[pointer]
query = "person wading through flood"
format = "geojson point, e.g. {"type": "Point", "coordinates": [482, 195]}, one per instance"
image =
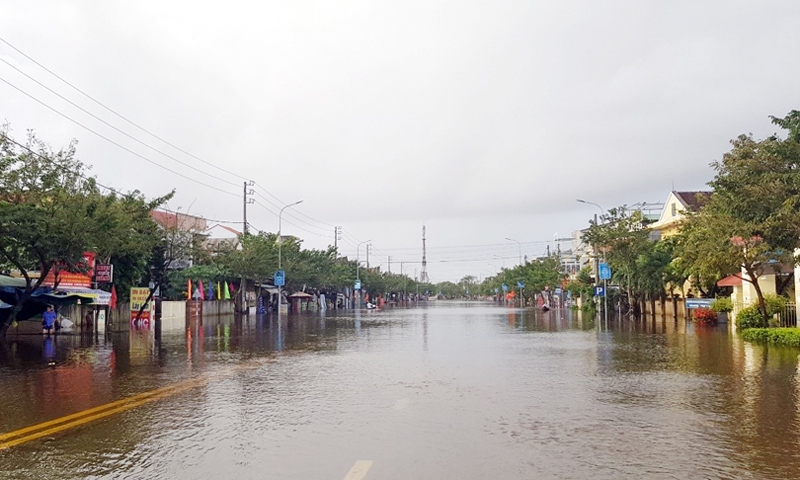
{"type": "Point", "coordinates": [48, 320]}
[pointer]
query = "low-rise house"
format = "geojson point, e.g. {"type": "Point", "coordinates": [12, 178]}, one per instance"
{"type": "Point", "coordinates": [674, 211]}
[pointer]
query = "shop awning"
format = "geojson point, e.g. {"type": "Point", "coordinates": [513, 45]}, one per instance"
{"type": "Point", "coordinates": [730, 281]}
{"type": "Point", "coordinates": [6, 281]}
{"type": "Point", "coordinates": [86, 295]}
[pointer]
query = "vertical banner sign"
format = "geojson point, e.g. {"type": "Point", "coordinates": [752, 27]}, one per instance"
{"type": "Point", "coordinates": [104, 273]}
{"type": "Point", "coordinates": [138, 298]}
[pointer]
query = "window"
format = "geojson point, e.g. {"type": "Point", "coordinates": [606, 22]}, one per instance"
{"type": "Point", "coordinates": [674, 209]}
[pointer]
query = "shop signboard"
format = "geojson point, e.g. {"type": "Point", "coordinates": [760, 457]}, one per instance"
{"type": "Point", "coordinates": [104, 273]}
{"type": "Point", "coordinates": [138, 298]}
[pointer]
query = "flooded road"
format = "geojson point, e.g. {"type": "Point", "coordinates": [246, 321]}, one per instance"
{"type": "Point", "coordinates": [451, 390]}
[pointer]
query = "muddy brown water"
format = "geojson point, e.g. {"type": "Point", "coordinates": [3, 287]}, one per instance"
{"type": "Point", "coordinates": [449, 390]}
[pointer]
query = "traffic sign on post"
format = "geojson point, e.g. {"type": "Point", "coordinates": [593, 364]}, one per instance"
{"type": "Point", "coordinates": [280, 278]}
{"type": "Point", "coordinates": [605, 272]}
{"type": "Point", "coordinates": [599, 291]}
{"type": "Point", "coordinates": [505, 287]}
{"type": "Point", "coordinates": [357, 285]}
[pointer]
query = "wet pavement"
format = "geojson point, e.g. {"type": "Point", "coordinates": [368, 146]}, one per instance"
{"type": "Point", "coordinates": [451, 390]}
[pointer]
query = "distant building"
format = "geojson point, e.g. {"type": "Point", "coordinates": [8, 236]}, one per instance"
{"type": "Point", "coordinates": [220, 238]}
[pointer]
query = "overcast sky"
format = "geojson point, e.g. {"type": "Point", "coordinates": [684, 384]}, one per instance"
{"type": "Point", "coordinates": [481, 119]}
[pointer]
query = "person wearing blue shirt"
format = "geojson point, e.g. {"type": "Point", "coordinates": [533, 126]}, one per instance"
{"type": "Point", "coordinates": [48, 320]}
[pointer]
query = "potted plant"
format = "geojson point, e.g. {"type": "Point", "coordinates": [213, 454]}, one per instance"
{"type": "Point", "coordinates": [704, 316]}
{"type": "Point", "coordinates": [722, 305]}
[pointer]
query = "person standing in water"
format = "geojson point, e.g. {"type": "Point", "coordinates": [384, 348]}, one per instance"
{"type": "Point", "coordinates": [48, 320]}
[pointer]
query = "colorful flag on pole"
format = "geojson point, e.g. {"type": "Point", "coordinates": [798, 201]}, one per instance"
{"type": "Point", "coordinates": [232, 289]}
{"type": "Point", "coordinates": [113, 302]}
{"type": "Point", "coordinates": [202, 290]}
{"type": "Point", "coordinates": [219, 291]}
{"type": "Point", "coordinates": [189, 288]}
{"type": "Point", "coordinates": [227, 292]}
{"type": "Point", "coordinates": [210, 291]}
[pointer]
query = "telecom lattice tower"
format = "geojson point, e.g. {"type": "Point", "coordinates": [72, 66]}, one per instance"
{"type": "Point", "coordinates": [424, 275]}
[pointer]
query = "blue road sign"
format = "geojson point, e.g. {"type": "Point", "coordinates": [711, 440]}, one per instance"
{"type": "Point", "coordinates": [505, 287]}
{"type": "Point", "coordinates": [520, 284]}
{"type": "Point", "coordinates": [605, 272]}
{"type": "Point", "coordinates": [599, 291]}
{"type": "Point", "coordinates": [280, 278]}
{"type": "Point", "coordinates": [558, 291]}
{"type": "Point", "coordinates": [496, 289]}
{"type": "Point", "coordinates": [357, 285]}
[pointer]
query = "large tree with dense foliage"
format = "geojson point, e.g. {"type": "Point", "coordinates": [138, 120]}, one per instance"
{"type": "Point", "coordinates": [52, 212]}
{"type": "Point", "coordinates": [622, 237]}
{"type": "Point", "coordinates": [752, 221]}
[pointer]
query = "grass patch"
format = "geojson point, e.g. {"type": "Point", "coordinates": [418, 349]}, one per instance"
{"type": "Point", "coordinates": [776, 336]}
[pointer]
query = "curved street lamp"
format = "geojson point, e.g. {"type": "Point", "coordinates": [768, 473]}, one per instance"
{"type": "Point", "coordinates": [602, 212]}
{"type": "Point", "coordinates": [520, 249]}
{"type": "Point", "coordinates": [280, 214]}
{"type": "Point", "coordinates": [358, 263]}
{"type": "Point", "coordinates": [280, 289]}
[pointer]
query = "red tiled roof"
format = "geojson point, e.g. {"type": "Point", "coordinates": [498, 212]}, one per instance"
{"type": "Point", "coordinates": [165, 219]}
{"type": "Point", "coordinates": [232, 230]}
{"type": "Point", "coordinates": [730, 281]}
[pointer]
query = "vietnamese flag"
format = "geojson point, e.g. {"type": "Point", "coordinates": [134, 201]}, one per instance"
{"type": "Point", "coordinates": [113, 302]}
{"type": "Point", "coordinates": [202, 292]}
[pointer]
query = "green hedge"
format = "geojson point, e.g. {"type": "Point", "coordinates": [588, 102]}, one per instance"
{"type": "Point", "coordinates": [777, 336]}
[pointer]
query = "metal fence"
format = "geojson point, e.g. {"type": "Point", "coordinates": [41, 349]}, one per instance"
{"type": "Point", "coordinates": [787, 317]}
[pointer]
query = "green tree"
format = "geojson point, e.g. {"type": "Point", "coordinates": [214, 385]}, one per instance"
{"type": "Point", "coordinates": [752, 221]}
{"type": "Point", "coordinates": [51, 213]}
{"type": "Point", "coordinates": [622, 236]}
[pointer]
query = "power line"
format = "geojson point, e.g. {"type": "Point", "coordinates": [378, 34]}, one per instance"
{"type": "Point", "coordinates": [111, 110]}
{"type": "Point", "coordinates": [113, 126]}
{"type": "Point", "coordinates": [287, 221]}
{"type": "Point", "coordinates": [113, 142]}
{"type": "Point", "coordinates": [131, 122]}
{"type": "Point", "coordinates": [110, 189]}
{"type": "Point", "coordinates": [290, 213]}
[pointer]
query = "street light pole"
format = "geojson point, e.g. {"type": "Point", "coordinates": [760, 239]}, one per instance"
{"type": "Point", "coordinates": [605, 282]}
{"type": "Point", "coordinates": [358, 267]}
{"type": "Point", "coordinates": [520, 249]}
{"type": "Point", "coordinates": [280, 288]}
{"type": "Point", "coordinates": [602, 212]}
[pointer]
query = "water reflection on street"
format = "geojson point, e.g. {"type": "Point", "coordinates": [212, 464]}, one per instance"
{"type": "Point", "coordinates": [447, 390]}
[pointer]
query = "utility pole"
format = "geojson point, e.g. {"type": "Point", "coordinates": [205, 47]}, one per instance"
{"type": "Point", "coordinates": [368, 256]}
{"type": "Point", "coordinates": [337, 235]}
{"type": "Point", "coordinates": [246, 200]}
{"type": "Point", "coordinates": [424, 276]}
{"type": "Point", "coordinates": [404, 282]}
{"type": "Point", "coordinates": [390, 264]}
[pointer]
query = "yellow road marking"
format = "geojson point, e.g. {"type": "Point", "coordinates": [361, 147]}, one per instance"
{"type": "Point", "coordinates": [23, 435]}
{"type": "Point", "coordinates": [359, 470]}
{"type": "Point", "coordinates": [111, 405]}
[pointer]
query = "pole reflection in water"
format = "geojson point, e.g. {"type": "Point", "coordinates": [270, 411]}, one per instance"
{"type": "Point", "coordinates": [450, 390]}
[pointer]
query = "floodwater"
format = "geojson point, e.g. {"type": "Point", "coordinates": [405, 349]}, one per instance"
{"type": "Point", "coordinates": [451, 390]}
